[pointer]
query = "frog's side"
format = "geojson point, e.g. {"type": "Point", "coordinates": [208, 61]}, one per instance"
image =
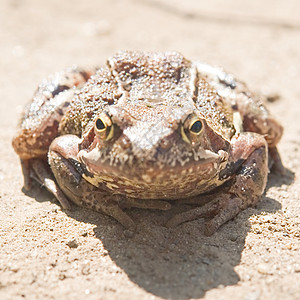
{"type": "Point", "coordinates": [149, 127]}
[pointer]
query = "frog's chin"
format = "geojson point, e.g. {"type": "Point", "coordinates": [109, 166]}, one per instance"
{"type": "Point", "coordinates": [152, 181]}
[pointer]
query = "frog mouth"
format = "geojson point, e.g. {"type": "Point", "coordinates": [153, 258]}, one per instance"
{"type": "Point", "coordinates": [154, 183]}
{"type": "Point", "coordinates": [207, 162]}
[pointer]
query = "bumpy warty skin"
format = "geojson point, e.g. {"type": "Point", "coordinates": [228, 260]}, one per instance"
{"type": "Point", "coordinates": [148, 127]}
{"type": "Point", "coordinates": [149, 97]}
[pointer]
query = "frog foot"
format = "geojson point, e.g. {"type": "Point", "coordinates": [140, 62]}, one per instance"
{"type": "Point", "coordinates": [35, 169]}
{"type": "Point", "coordinates": [275, 163]}
{"type": "Point", "coordinates": [248, 186]}
{"type": "Point", "coordinates": [114, 205]}
{"type": "Point", "coordinates": [69, 172]}
{"type": "Point", "coordinates": [222, 208]}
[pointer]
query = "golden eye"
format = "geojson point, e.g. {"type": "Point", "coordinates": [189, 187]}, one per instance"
{"type": "Point", "coordinates": [196, 127]}
{"type": "Point", "coordinates": [191, 129]}
{"type": "Point", "coordinates": [100, 125]}
{"type": "Point", "coordinates": [104, 127]}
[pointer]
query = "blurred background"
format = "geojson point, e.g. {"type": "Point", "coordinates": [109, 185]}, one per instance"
{"type": "Point", "coordinates": [45, 35]}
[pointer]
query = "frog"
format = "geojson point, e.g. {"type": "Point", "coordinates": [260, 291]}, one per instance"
{"type": "Point", "coordinates": [150, 130]}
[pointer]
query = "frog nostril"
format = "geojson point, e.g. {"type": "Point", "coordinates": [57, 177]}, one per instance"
{"type": "Point", "coordinates": [124, 142]}
{"type": "Point", "coordinates": [165, 145]}
{"type": "Point", "coordinates": [87, 141]}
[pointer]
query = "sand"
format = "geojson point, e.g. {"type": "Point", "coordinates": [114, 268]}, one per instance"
{"type": "Point", "coordinates": [49, 253]}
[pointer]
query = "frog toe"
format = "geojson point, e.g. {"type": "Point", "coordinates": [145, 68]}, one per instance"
{"type": "Point", "coordinates": [118, 214]}
{"type": "Point", "coordinates": [230, 209]}
{"type": "Point", "coordinates": [220, 210]}
{"type": "Point", "coordinates": [26, 169]}
{"type": "Point", "coordinates": [44, 176]}
{"type": "Point", "coordinates": [275, 163]}
{"type": "Point", "coordinates": [206, 210]}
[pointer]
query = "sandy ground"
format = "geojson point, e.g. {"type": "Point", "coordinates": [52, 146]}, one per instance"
{"type": "Point", "coordinates": [48, 253]}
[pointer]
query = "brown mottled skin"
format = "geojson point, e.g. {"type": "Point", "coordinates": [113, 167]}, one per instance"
{"type": "Point", "coordinates": [147, 130]}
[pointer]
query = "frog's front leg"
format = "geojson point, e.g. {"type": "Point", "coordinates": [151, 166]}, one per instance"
{"type": "Point", "coordinates": [68, 173]}
{"type": "Point", "coordinates": [40, 172]}
{"type": "Point", "coordinates": [248, 170]}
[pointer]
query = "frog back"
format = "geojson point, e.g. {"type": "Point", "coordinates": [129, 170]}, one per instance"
{"type": "Point", "coordinates": [136, 78]}
{"type": "Point", "coordinates": [171, 80]}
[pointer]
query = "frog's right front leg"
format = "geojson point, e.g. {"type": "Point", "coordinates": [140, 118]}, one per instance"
{"type": "Point", "coordinates": [68, 173]}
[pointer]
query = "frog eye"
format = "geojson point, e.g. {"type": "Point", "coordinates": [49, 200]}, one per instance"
{"type": "Point", "coordinates": [191, 129]}
{"type": "Point", "coordinates": [104, 127]}
{"type": "Point", "coordinates": [100, 125]}
{"type": "Point", "coordinates": [196, 127]}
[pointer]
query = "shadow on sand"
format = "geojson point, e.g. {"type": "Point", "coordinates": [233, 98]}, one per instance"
{"type": "Point", "coordinates": [177, 263]}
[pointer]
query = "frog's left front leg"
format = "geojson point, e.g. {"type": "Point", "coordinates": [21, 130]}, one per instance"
{"type": "Point", "coordinates": [250, 164]}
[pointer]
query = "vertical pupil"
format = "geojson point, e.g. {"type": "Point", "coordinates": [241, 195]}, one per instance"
{"type": "Point", "coordinates": [100, 125]}
{"type": "Point", "coordinates": [196, 127]}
